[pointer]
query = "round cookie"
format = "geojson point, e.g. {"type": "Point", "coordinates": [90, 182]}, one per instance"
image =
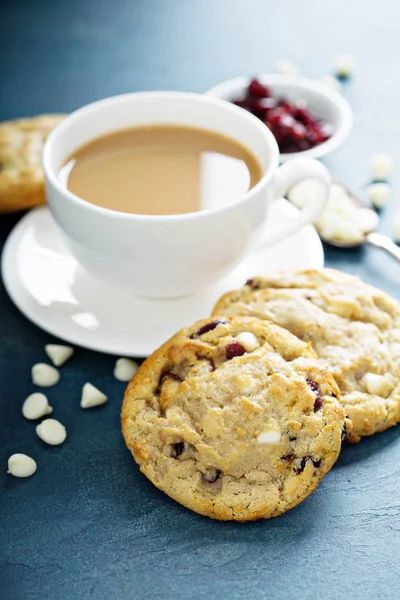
{"type": "Point", "coordinates": [21, 173]}
{"type": "Point", "coordinates": [353, 327]}
{"type": "Point", "coordinates": [234, 418]}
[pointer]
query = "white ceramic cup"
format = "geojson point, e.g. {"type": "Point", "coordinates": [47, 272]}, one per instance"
{"type": "Point", "coordinates": [172, 255]}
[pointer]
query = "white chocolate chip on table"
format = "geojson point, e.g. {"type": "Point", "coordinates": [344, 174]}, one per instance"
{"type": "Point", "coordinates": [125, 368]}
{"type": "Point", "coordinates": [58, 353]}
{"type": "Point", "coordinates": [270, 436]}
{"type": "Point", "coordinates": [381, 166]}
{"type": "Point", "coordinates": [376, 384]}
{"type": "Point", "coordinates": [45, 375]}
{"type": "Point", "coordinates": [21, 465]}
{"type": "Point", "coordinates": [36, 406]}
{"type": "Point", "coordinates": [345, 64]}
{"type": "Point", "coordinates": [51, 432]}
{"type": "Point", "coordinates": [91, 396]}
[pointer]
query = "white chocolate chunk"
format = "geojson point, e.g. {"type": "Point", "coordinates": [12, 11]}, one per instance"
{"type": "Point", "coordinates": [269, 437]}
{"type": "Point", "coordinates": [396, 227]}
{"type": "Point", "coordinates": [52, 432]}
{"type": "Point", "coordinates": [246, 384]}
{"type": "Point", "coordinates": [305, 192]}
{"type": "Point", "coordinates": [332, 226]}
{"type": "Point", "coordinates": [58, 354]}
{"type": "Point", "coordinates": [91, 396]}
{"type": "Point", "coordinates": [375, 384]}
{"type": "Point", "coordinates": [287, 68]}
{"type": "Point", "coordinates": [21, 465]}
{"type": "Point", "coordinates": [381, 167]}
{"type": "Point", "coordinates": [379, 194]}
{"type": "Point", "coordinates": [248, 340]}
{"type": "Point", "coordinates": [366, 219]}
{"type": "Point", "coordinates": [124, 369]}
{"type": "Point", "coordinates": [345, 64]}
{"type": "Point", "coordinates": [337, 189]}
{"type": "Point", "coordinates": [45, 375]}
{"type": "Point", "coordinates": [332, 82]}
{"type": "Point", "coordinates": [36, 406]}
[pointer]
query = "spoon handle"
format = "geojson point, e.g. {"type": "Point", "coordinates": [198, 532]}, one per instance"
{"type": "Point", "coordinates": [383, 241]}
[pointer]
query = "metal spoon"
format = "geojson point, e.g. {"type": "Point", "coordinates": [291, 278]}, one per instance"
{"type": "Point", "coordinates": [374, 239]}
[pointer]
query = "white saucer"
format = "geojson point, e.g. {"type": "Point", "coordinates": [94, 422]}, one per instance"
{"type": "Point", "coordinates": [49, 287]}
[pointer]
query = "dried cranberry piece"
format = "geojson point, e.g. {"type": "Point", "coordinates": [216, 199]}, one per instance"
{"type": "Point", "coordinates": [212, 476]}
{"type": "Point", "coordinates": [315, 388]}
{"type": "Point", "coordinates": [303, 463]}
{"type": "Point", "coordinates": [212, 364]}
{"type": "Point", "coordinates": [251, 283]}
{"type": "Point", "coordinates": [207, 327]}
{"type": "Point", "coordinates": [164, 377]}
{"type": "Point", "coordinates": [301, 114]}
{"type": "Point", "coordinates": [234, 349]}
{"type": "Point", "coordinates": [288, 457]}
{"type": "Point", "coordinates": [258, 90]}
{"type": "Point", "coordinates": [285, 104]}
{"type": "Point", "coordinates": [242, 104]}
{"type": "Point", "coordinates": [345, 436]}
{"type": "Point", "coordinates": [275, 115]}
{"type": "Point", "coordinates": [177, 449]}
{"type": "Point", "coordinates": [298, 131]}
{"type": "Point", "coordinates": [261, 106]}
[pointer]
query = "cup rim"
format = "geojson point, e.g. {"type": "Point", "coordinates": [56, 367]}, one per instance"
{"type": "Point", "coordinates": [111, 101]}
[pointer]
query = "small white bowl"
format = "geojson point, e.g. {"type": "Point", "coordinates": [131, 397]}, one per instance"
{"type": "Point", "coordinates": [323, 101]}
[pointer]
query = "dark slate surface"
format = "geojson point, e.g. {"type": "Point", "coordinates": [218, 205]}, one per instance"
{"type": "Point", "coordinates": [88, 525]}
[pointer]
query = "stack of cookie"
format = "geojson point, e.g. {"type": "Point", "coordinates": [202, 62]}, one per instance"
{"type": "Point", "coordinates": [241, 415]}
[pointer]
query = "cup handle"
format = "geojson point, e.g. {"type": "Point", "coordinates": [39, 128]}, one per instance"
{"type": "Point", "coordinates": [288, 175]}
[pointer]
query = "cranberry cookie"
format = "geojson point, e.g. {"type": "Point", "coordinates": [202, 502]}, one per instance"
{"type": "Point", "coordinates": [234, 418]}
{"type": "Point", "coordinates": [353, 327]}
{"type": "Point", "coordinates": [21, 173]}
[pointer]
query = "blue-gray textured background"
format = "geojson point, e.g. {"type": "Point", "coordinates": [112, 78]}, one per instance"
{"type": "Point", "coordinates": [88, 525]}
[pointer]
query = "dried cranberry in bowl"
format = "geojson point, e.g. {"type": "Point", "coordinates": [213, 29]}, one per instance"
{"type": "Point", "coordinates": [294, 126]}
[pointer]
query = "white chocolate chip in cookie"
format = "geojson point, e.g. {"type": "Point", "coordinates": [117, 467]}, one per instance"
{"type": "Point", "coordinates": [36, 406]}
{"type": "Point", "coordinates": [21, 465]}
{"type": "Point", "coordinates": [246, 384]}
{"type": "Point", "coordinates": [58, 353]}
{"type": "Point", "coordinates": [52, 432]}
{"type": "Point", "coordinates": [45, 375]}
{"type": "Point", "coordinates": [376, 384]}
{"type": "Point", "coordinates": [125, 368]}
{"type": "Point", "coordinates": [248, 340]}
{"type": "Point", "coordinates": [91, 396]}
{"type": "Point", "coordinates": [269, 436]}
